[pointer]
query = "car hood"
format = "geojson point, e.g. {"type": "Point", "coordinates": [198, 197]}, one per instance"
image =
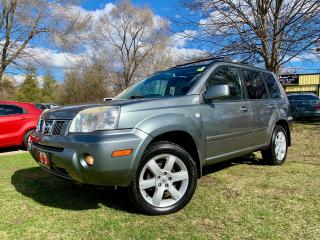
{"type": "Point", "coordinates": [69, 112]}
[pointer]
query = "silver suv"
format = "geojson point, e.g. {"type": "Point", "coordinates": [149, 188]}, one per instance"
{"type": "Point", "coordinates": [156, 136]}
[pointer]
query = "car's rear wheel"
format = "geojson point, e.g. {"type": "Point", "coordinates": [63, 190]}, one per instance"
{"type": "Point", "coordinates": [276, 154]}
{"type": "Point", "coordinates": [165, 181]}
{"type": "Point", "coordinates": [26, 138]}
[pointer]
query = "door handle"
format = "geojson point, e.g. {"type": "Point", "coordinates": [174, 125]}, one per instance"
{"type": "Point", "coordinates": [270, 106]}
{"type": "Point", "coordinates": [244, 109]}
{"type": "Point", "coordinates": [23, 118]}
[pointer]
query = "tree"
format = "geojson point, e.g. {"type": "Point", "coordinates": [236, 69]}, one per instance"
{"type": "Point", "coordinates": [7, 89]}
{"type": "Point", "coordinates": [88, 83]}
{"type": "Point", "coordinates": [71, 89]}
{"type": "Point", "coordinates": [133, 33]}
{"type": "Point", "coordinates": [95, 82]}
{"type": "Point", "coordinates": [49, 89]}
{"type": "Point", "coordinates": [29, 90]}
{"type": "Point", "coordinates": [24, 21]}
{"type": "Point", "coordinates": [160, 58]}
{"type": "Point", "coordinates": [269, 31]}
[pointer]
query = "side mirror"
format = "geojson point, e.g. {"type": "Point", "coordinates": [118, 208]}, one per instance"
{"type": "Point", "coordinates": [217, 92]}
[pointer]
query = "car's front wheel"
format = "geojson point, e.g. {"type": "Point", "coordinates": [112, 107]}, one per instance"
{"type": "Point", "coordinates": [165, 181]}
{"type": "Point", "coordinates": [276, 154]}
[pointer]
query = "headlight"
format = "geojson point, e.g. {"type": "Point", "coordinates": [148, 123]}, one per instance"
{"type": "Point", "coordinates": [96, 118]}
{"type": "Point", "coordinates": [38, 127]}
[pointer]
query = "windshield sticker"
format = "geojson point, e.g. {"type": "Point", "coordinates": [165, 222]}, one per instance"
{"type": "Point", "coordinates": [201, 69]}
{"type": "Point", "coordinates": [172, 90]}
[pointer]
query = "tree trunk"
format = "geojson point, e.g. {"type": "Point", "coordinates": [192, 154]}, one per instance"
{"type": "Point", "coordinates": [2, 68]}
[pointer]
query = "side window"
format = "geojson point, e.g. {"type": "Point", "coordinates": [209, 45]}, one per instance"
{"type": "Point", "coordinates": [225, 75]}
{"type": "Point", "coordinates": [291, 97]}
{"type": "Point", "coordinates": [10, 110]}
{"type": "Point", "coordinates": [310, 97]}
{"type": "Point", "coordinates": [272, 85]}
{"type": "Point", "coordinates": [254, 82]}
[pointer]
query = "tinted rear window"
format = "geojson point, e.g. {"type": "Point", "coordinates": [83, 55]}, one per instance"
{"type": "Point", "coordinates": [10, 110]}
{"type": "Point", "coordinates": [272, 85]}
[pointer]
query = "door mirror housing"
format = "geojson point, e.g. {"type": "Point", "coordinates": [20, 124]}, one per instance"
{"type": "Point", "coordinates": [217, 92]}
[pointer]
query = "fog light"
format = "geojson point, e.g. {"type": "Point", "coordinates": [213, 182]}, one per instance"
{"type": "Point", "coordinates": [89, 159]}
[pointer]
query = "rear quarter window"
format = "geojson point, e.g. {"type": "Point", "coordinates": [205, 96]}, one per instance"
{"type": "Point", "coordinates": [272, 85]}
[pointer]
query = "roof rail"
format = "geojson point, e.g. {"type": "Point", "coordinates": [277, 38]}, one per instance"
{"type": "Point", "coordinates": [249, 64]}
{"type": "Point", "coordinates": [221, 58]}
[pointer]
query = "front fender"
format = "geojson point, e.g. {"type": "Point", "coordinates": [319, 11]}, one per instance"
{"type": "Point", "coordinates": [165, 123]}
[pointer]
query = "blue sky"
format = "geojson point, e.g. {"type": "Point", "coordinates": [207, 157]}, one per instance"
{"type": "Point", "coordinates": [164, 8]}
{"type": "Point", "coordinates": [160, 7]}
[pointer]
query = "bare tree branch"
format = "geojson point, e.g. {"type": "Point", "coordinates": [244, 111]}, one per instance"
{"type": "Point", "coordinates": [23, 21]}
{"type": "Point", "coordinates": [134, 34]}
{"type": "Point", "coordinates": [272, 31]}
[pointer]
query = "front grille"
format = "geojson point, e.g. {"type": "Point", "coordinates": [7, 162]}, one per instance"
{"type": "Point", "coordinates": [52, 127]}
{"type": "Point", "coordinates": [57, 127]}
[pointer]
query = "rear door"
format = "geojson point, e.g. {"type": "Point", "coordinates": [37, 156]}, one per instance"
{"type": "Point", "coordinates": [262, 106]}
{"type": "Point", "coordinates": [226, 121]}
{"type": "Point", "coordinates": [12, 120]}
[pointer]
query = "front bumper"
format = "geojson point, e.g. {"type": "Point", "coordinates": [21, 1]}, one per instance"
{"type": "Point", "coordinates": [67, 155]}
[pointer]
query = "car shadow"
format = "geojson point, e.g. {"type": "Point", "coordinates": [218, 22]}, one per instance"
{"type": "Point", "coordinates": [10, 149]}
{"type": "Point", "coordinates": [309, 122]}
{"type": "Point", "coordinates": [250, 159]}
{"type": "Point", "coordinates": [54, 192]}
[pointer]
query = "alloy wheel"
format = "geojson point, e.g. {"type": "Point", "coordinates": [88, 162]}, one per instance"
{"type": "Point", "coordinates": [163, 180]}
{"type": "Point", "coordinates": [280, 145]}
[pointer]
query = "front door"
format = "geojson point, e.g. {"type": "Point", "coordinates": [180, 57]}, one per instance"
{"type": "Point", "coordinates": [226, 121]}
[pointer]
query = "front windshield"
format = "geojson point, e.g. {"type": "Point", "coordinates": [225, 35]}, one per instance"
{"type": "Point", "coordinates": [173, 82]}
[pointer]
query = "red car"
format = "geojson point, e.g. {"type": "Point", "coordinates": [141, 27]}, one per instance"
{"type": "Point", "coordinates": [17, 121]}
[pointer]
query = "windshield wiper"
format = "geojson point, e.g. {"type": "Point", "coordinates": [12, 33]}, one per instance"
{"type": "Point", "coordinates": [136, 97]}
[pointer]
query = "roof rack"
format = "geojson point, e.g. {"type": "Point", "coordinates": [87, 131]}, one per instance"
{"type": "Point", "coordinates": [249, 64]}
{"type": "Point", "coordinates": [221, 58]}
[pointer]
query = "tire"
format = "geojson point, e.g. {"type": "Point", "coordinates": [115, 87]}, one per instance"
{"type": "Point", "coordinates": [25, 138]}
{"type": "Point", "coordinates": [276, 154]}
{"type": "Point", "coordinates": [154, 190]}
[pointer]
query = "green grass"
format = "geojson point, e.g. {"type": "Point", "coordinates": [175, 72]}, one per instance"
{"type": "Point", "coordinates": [239, 199]}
